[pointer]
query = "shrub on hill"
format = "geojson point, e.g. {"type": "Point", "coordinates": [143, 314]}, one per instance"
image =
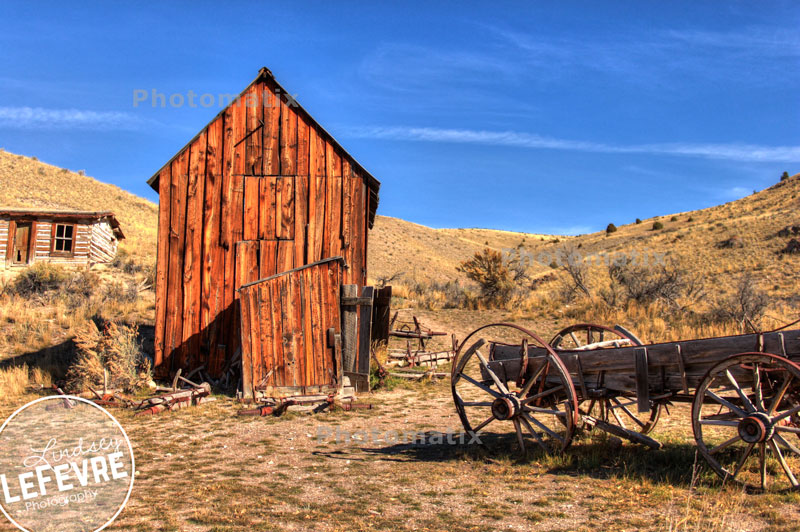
{"type": "Point", "coordinates": [611, 228]}
{"type": "Point", "coordinates": [784, 176]}
{"type": "Point", "coordinates": [657, 226]}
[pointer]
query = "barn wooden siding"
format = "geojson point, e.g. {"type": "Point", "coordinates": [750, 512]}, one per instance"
{"type": "Point", "coordinates": [290, 323]}
{"type": "Point", "coordinates": [267, 174]}
{"type": "Point", "coordinates": [94, 241]}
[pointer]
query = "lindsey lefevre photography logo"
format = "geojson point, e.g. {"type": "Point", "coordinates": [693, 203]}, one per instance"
{"type": "Point", "coordinates": [65, 464]}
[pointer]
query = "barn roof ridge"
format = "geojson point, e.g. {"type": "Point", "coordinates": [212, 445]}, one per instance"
{"type": "Point", "coordinates": [265, 73]}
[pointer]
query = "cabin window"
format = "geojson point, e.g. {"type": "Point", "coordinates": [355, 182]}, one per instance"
{"type": "Point", "coordinates": [64, 239]}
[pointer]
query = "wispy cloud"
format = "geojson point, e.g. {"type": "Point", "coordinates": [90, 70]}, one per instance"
{"type": "Point", "coordinates": [733, 152]}
{"type": "Point", "coordinates": [39, 118]}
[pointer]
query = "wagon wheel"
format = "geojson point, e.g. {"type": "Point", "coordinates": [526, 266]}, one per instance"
{"type": "Point", "coordinates": [743, 413]}
{"type": "Point", "coordinates": [582, 336]}
{"type": "Point", "coordinates": [541, 406]}
{"type": "Point", "coordinates": [617, 410]}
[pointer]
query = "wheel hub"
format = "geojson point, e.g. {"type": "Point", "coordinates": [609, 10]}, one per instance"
{"type": "Point", "coordinates": [756, 428]}
{"type": "Point", "coordinates": [506, 407]}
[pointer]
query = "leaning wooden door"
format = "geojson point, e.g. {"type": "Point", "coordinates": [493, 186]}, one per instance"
{"type": "Point", "coordinates": [291, 332]}
{"type": "Point", "coordinates": [22, 243]}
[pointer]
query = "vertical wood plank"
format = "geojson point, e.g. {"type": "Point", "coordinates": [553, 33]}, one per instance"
{"type": "Point", "coordinates": [347, 203]}
{"type": "Point", "coordinates": [239, 127]}
{"type": "Point", "coordinates": [267, 221]}
{"type": "Point", "coordinates": [247, 356]}
{"type": "Point", "coordinates": [285, 256]}
{"type": "Point", "coordinates": [287, 330]}
{"type": "Point", "coordinates": [268, 261]}
{"type": "Point", "coordinates": [177, 234]}
{"type": "Point", "coordinates": [254, 112]}
{"type": "Point", "coordinates": [277, 313]}
{"type": "Point", "coordinates": [300, 217]}
{"type": "Point", "coordinates": [162, 264]}
{"type": "Point", "coordinates": [237, 235]}
{"type": "Point", "coordinates": [297, 328]}
{"type": "Point", "coordinates": [265, 336]}
{"type": "Point", "coordinates": [272, 114]}
{"type": "Point", "coordinates": [333, 203]}
{"type": "Point", "coordinates": [192, 264]}
{"type": "Point", "coordinates": [213, 259]}
{"type": "Point", "coordinates": [318, 328]}
{"type": "Point", "coordinates": [251, 224]}
{"type": "Point", "coordinates": [285, 208]}
{"type": "Point", "coordinates": [288, 141]}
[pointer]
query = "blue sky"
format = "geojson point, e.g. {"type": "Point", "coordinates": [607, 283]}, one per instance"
{"type": "Point", "coordinates": [530, 116]}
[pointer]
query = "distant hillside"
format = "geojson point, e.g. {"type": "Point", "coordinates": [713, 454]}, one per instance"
{"type": "Point", "coordinates": [425, 254]}
{"type": "Point", "coordinates": [721, 243]}
{"type": "Point", "coordinates": [26, 182]}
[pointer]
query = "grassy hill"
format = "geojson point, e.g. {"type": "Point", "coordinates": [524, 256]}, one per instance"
{"type": "Point", "coordinates": [719, 243]}
{"type": "Point", "coordinates": [28, 183]}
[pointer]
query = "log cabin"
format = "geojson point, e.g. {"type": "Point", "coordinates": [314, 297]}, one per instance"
{"type": "Point", "coordinates": [262, 190]}
{"type": "Point", "coordinates": [62, 237]}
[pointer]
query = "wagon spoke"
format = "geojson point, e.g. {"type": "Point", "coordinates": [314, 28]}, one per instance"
{"type": "Point", "coordinates": [533, 378]}
{"type": "Point", "coordinates": [482, 425]}
{"type": "Point", "coordinates": [616, 416]}
{"type": "Point", "coordinates": [543, 427]}
{"type": "Point", "coordinates": [779, 396]}
{"type": "Point", "coordinates": [732, 407]}
{"type": "Point", "coordinates": [743, 396]}
{"type": "Point", "coordinates": [533, 433]}
{"type": "Point", "coordinates": [537, 410]}
{"type": "Point", "coordinates": [724, 444]}
{"type": "Point", "coordinates": [780, 439]}
{"type": "Point", "coordinates": [520, 439]}
{"type": "Point", "coordinates": [495, 378]}
{"type": "Point", "coordinates": [743, 459]}
{"type": "Point", "coordinates": [630, 414]}
{"type": "Point", "coordinates": [575, 339]}
{"type": "Point", "coordinates": [532, 398]}
{"type": "Point", "coordinates": [757, 387]}
{"type": "Point", "coordinates": [481, 386]}
{"type": "Point", "coordinates": [719, 422]}
{"type": "Point", "coordinates": [784, 465]}
{"type": "Point", "coordinates": [786, 414]}
{"type": "Point", "coordinates": [782, 428]}
{"type": "Point", "coordinates": [762, 451]}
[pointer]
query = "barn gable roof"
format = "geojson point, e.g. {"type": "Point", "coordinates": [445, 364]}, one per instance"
{"type": "Point", "coordinates": [66, 215]}
{"type": "Point", "coordinates": [266, 74]}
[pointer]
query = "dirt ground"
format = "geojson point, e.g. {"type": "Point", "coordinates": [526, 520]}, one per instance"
{"type": "Point", "coordinates": [392, 468]}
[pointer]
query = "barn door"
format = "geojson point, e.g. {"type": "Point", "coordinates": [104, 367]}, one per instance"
{"type": "Point", "coordinates": [22, 243]}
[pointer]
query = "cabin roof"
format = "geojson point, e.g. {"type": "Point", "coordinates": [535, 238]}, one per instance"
{"type": "Point", "coordinates": [63, 214]}
{"type": "Point", "coordinates": [265, 73]}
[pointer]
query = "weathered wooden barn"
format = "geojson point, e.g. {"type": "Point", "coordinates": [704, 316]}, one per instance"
{"type": "Point", "coordinates": [63, 237]}
{"type": "Point", "coordinates": [263, 189]}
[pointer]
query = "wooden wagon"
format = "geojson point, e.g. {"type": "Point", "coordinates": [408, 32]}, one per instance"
{"type": "Point", "coordinates": [744, 391]}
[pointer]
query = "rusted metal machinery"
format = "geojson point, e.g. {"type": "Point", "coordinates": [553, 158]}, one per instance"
{"type": "Point", "coordinates": [744, 391]}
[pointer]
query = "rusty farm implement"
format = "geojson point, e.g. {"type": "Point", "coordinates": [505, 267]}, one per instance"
{"type": "Point", "coordinates": [744, 392]}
